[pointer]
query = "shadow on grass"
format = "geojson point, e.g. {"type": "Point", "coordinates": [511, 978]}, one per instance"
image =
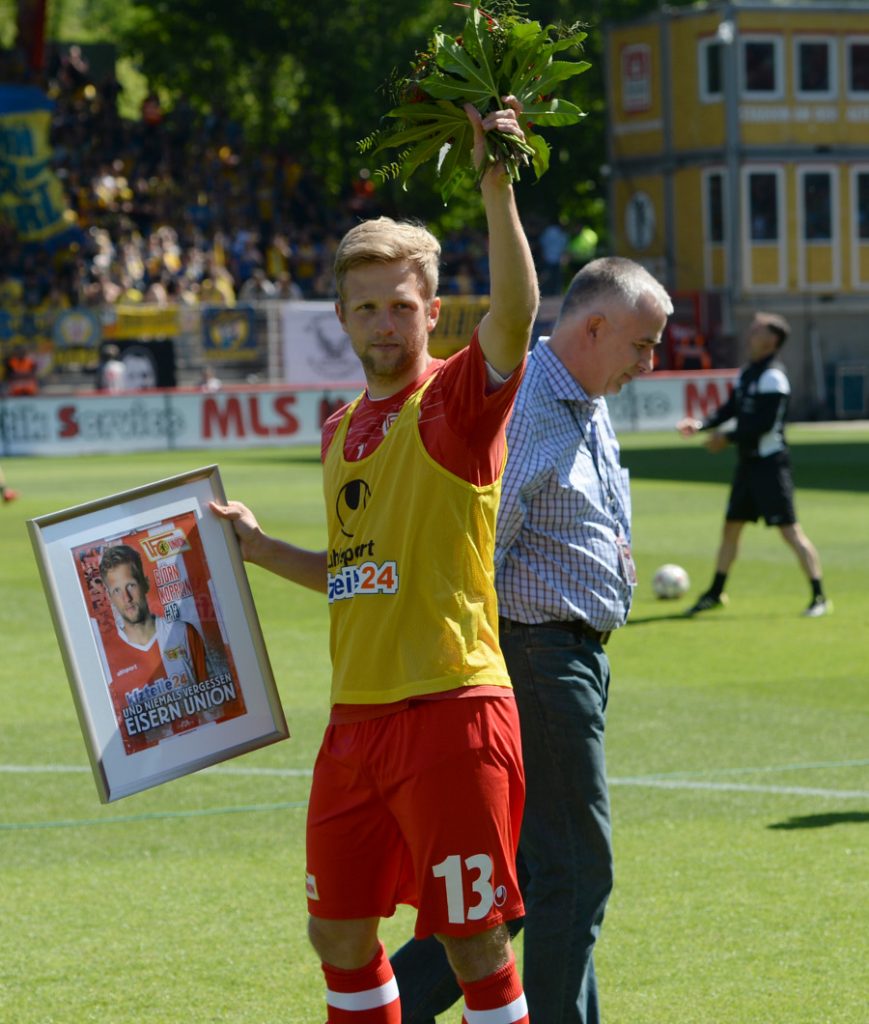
{"type": "Point", "coordinates": [644, 620]}
{"type": "Point", "coordinates": [713, 617]}
{"type": "Point", "coordinates": [829, 467]}
{"type": "Point", "coordinates": [823, 820]}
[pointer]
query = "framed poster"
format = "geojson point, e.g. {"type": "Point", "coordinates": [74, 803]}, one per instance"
{"type": "Point", "coordinates": [158, 632]}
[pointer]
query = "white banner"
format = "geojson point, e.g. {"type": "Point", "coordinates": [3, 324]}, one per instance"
{"type": "Point", "coordinates": [317, 351]}
{"type": "Point", "coordinates": [154, 420]}
{"type": "Point", "coordinates": [262, 415]}
{"type": "Point", "coordinates": [659, 400]}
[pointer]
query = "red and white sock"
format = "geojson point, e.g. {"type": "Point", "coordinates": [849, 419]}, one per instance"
{"type": "Point", "coordinates": [496, 999]}
{"type": "Point", "coordinates": [368, 995]}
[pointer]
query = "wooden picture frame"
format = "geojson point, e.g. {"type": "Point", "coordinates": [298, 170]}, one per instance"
{"type": "Point", "coordinates": [158, 631]}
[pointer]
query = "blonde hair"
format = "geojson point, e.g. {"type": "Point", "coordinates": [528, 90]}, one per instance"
{"type": "Point", "coordinates": [385, 240]}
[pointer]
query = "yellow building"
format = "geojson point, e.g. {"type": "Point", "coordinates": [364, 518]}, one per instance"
{"type": "Point", "coordinates": [739, 167]}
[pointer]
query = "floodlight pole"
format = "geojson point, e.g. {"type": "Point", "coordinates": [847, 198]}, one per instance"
{"type": "Point", "coordinates": [728, 35]}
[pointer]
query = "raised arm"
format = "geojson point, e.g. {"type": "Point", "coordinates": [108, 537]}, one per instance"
{"type": "Point", "coordinates": [505, 330]}
{"type": "Point", "coordinates": [307, 568]}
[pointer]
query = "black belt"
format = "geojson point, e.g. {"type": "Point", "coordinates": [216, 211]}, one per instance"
{"type": "Point", "coordinates": [577, 627]}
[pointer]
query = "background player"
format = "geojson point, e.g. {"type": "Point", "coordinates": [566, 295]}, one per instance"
{"type": "Point", "coordinates": [6, 493]}
{"type": "Point", "coordinates": [762, 482]}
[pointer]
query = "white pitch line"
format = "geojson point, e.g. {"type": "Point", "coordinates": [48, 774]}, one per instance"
{"type": "Point", "coordinates": [279, 772]}
{"type": "Point", "coordinates": [759, 770]}
{"type": "Point", "coordinates": [743, 787]}
{"type": "Point", "coordinates": [639, 781]}
{"type": "Point", "coordinates": [72, 769]}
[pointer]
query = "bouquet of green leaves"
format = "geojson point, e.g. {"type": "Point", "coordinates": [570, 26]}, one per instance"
{"type": "Point", "coordinates": [499, 53]}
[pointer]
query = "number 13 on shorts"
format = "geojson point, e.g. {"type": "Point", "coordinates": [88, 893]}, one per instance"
{"type": "Point", "coordinates": [478, 871]}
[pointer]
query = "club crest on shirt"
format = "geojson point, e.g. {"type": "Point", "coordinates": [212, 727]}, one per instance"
{"type": "Point", "coordinates": [352, 498]}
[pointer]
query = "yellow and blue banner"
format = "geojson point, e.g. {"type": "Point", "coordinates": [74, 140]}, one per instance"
{"type": "Point", "coordinates": [229, 335]}
{"type": "Point", "coordinates": [31, 195]}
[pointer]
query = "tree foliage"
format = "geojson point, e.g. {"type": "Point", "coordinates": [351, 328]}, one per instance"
{"type": "Point", "coordinates": [310, 78]}
{"type": "Point", "coordinates": [499, 54]}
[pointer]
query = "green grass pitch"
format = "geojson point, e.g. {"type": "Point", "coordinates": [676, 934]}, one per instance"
{"type": "Point", "coordinates": [737, 749]}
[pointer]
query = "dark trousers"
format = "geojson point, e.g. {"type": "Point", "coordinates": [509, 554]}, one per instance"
{"type": "Point", "coordinates": [565, 850]}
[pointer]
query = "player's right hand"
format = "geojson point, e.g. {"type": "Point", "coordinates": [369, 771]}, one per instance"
{"type": "Point", "coordinates": [244, 523]}
{"type": "Point", "coordinates": [505, 120]}
{"type": "Point", "coordinates": [688, 426]}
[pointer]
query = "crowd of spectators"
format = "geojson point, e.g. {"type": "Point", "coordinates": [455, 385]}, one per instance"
{"type": "Point", "coordinates": [176, 207]}
{"type": "Point", "coordinates": [172, 206]}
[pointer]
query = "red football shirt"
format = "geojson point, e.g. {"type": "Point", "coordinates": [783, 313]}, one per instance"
{"type": "Point", "coordinates": [462, 418]}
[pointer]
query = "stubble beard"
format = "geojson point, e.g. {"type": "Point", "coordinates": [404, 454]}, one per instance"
{"type": "Point", "coordinates": [139, 617]}
{"type": "Point", "coordinates": [387, 366]}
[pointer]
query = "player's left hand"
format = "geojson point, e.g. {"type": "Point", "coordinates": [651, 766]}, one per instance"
{"type": "Point", "coordinates": [716, 442]}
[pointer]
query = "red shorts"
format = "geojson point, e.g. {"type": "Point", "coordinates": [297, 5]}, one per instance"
{"type": "Point", "coordinates": [420, 807]}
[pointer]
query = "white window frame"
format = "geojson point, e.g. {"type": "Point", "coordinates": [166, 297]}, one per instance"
{"type": "Point", "coordinates": [856, 241]}
{"type": "Point", "coordinates": [850, 42]}
{"type": "Point", "coordinates": [710, 245]}
{"type": "Point", "coordinates": [832, 88]}
{"type": "Point", "coordinates": [703, 48]}
{"type": "Point", "coordinates": [780, 244]}
{"type": "Point", "coordinates": [711, 172]}
{"type": "Point", "coordinates": [803, 171]}
{"type": "Point", "coordinates": [834, 242]}
{"type": "Point", "coordinates": [777, 92]}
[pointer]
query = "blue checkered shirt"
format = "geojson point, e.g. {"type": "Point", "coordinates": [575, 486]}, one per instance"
{"type": "Point", "coordinates": [564, 501]}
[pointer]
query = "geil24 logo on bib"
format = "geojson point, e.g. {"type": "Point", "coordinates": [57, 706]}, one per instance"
{"type": "Point", "coordinates": [365, 578]}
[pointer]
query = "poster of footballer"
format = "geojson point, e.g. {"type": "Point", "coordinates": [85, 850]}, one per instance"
{"type": "Point", "coordinates": [158, 632]}
{"type": "Point", "coordinates": [156, 622]}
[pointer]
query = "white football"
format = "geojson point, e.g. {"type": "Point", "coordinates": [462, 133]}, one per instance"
{"type": "Point", "coordinates": [670, 581]}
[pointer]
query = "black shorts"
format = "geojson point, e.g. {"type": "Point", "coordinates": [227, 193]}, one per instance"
{"type": "Point", "coordinates": [763, 487]}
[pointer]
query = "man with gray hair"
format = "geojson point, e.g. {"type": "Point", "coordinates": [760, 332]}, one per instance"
{"type": "Point", "coordinates": [565, 579]}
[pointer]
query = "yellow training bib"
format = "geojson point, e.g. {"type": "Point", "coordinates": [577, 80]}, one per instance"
{"type": "Point", "coordinates": [411, 576]}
